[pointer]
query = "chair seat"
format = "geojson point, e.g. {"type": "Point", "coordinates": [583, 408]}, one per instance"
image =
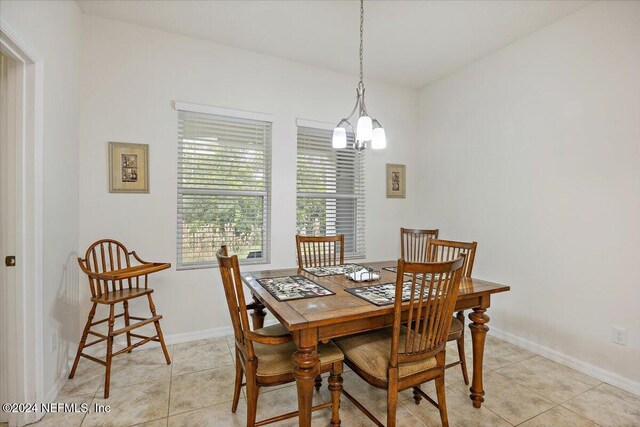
{"type": "Point", "coordinates": [456, 329]}
{"type": "Point", "coordinates": [275, 359]}
{"type": "Point", "coordinates": [371, 351]}
{"type": "Point", "coordinates": [121, 295]}
{"type": "Point", "coordinates": [276, 330]}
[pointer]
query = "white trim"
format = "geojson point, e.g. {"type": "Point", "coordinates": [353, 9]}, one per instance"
{"type": "Point", "coordinates": [564, 359]}
{"type": "Point", "coordinates": [52, 394]}
{"type": "Point", "coordinates": [221, 111]}
{"type": "Point", "coordinates": [315, 124]}
{"type": "Point", "coordinates": [17, 40]}
{"type": "Point", "coordinates": [206, 334]}
{"type": "Point", "coordinates": [173, 339]}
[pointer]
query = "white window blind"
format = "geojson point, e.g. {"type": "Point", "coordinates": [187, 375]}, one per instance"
{"type": "Point", "coordinates": [330, 190]}
{"type": "Point", "coordinates": [224, 188]}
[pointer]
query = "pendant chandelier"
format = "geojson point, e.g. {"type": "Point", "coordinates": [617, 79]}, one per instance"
{"type": "Point", "coordinates": [367, 129]}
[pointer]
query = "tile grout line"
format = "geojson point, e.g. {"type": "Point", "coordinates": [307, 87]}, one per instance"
{"type": "Point", "coordinates": [466, 390]}
{"type": "Point", "coordinates": [524, 386]}
{"type": "Point", "coordinates": [555, 403]}
{"type": "Point", "coordinates": [533, 391]}
{"type": "Point", "coordinates": [173, 357]}
{"type": "Point", "coordinates": [545, 374]}
{"type": "Point", "coordinates": [93, 398]}
{"type": "Point", "coordinates": [499, 416]}
{"type": "Point", "coordinates": [537, 415]}
{"type": "Point", "coordinates": [581, 415]}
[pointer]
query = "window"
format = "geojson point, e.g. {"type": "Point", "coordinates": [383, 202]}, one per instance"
{"type": "Point", "coordinates": [330, 189]}
{"type": "Point", "coordinates": [224, 186]}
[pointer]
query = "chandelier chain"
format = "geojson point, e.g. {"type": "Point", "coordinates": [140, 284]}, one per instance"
{"type": "Point", "coordinates": [361, 40]}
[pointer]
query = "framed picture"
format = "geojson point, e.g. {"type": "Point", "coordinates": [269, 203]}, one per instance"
{"type": "Point", "coordinates": [128, 168]}
{"type": "Point", "coordinates": [396, 181]}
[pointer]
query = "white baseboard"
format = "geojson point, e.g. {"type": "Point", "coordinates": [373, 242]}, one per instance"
{"type": "Point", "coordinates": [205, 334]}
{"type": "Point", "coordinates": [570, 361]}
{"type": "Point", "coordinates": [57, 386]}
{"type": "Point", "coordinates": [52, 394]}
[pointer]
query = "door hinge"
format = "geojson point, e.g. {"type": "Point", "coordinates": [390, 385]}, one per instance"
{"type": "Point", "coordinates": [10, 261]}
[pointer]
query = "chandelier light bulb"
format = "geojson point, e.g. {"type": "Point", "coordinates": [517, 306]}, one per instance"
{"type": "Point", "coordinates": [364, 130]}
{"type": "Point", "coordinates": [339, 139]}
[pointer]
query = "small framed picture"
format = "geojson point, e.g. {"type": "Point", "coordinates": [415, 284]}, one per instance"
{"type": "Point", "coordinates": [128, 168]}
{"type": "Point", "coordinates": [396, 181]}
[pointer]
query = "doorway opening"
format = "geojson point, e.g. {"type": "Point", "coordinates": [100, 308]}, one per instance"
{"type": "Point", "coordinates": [21, 226]}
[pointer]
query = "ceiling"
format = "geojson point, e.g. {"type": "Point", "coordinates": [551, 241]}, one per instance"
{"type": "Point", "coordinates": [409, 43]}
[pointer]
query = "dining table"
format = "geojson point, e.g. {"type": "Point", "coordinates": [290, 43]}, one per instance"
{"type": "Point", "coordinates": [341, 313]}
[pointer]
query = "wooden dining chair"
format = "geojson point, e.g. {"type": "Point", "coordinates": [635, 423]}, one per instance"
{"type": "Point", "coordinates": [266, 360]}
{"type": "Point", "coordinates": [320, 251]}
{"type": "Point", "coordinates": [103, 257]}
{"type": "Point", "coordinates": [413, 243]}
{"type": "Point", "coordinates": [446, 250]}
{"type": "Point", "coordinates": [413, 350]}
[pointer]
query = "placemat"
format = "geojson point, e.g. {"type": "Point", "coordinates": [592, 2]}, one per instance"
{"type": "Point", "coordinates": [288, 288]}
{"type": "Point", "coordinates": [384, 293]}
{"type": "Point", "coordinates": [332, 270]}
{"type": "Point", "coordinates": [418, 276]}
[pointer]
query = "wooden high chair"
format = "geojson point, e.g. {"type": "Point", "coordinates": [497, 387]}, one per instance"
{"type": "Point", "coordinates": [108, 264]}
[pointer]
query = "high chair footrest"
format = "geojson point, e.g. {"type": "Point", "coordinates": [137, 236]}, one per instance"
{"type": "Point", "coordinates": [135, 326]}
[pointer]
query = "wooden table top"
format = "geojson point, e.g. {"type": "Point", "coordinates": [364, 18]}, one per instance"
{"type": "Point", "coordinates": [343, 306]}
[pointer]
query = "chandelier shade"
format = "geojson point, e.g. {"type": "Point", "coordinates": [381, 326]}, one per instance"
{"type": "Point", "coordinates": [339, 139]}
{"type": "Point", "coordinates": [364, 130]}
{"type": "Point", "coordinates": [379, 139]}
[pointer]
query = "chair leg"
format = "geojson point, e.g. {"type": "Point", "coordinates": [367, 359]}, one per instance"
{"type": "Point", "coordinates": [442, 402]}
{"type": "Point", "coordinates": [461, 355]}
{"type": "Point", "coordinates": [318, 384]}
{"type": "Point", "coordinates": [417, 397]}
{"type": "Point", "coordinates": [83, 340]}
{"type": "Point", "coordinates": [335, 387]}
{"type": "Point", "coordinates": [107, 377]}
{"type": "Point", "coordinates": [392, 397]}
{"type": "Point", "coordinates": [237, 385]}
{"type": "Point", "coordinates": [152, 307]}
{"type": "Point", "coordinates": [125, 305]}
{"type": "Point", "coordinates": [252, 390]}
{"type": "Point", "coordinates": [463, 360]}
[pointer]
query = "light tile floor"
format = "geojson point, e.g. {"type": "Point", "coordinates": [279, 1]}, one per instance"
{"type": "Point", "coordinates": [196, 389]}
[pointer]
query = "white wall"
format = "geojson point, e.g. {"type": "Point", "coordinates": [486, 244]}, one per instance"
{"type": "Point", "coordinates": [533, 152]}
{"type": "Point", "coordinates": [129, 77]}
{"type": "Point", "coordinates": [53, 29]}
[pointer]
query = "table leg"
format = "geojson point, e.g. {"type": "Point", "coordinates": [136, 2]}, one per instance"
{"type": "Point", "coordinates": [478, 334]}
{"type": "Point", "coordinates": [307, 367]}
{"type": "Point", "coordinates": [258, 314]}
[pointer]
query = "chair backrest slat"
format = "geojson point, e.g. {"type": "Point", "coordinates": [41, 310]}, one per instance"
{"type": "Point", "coordinates": [447, 250]}
{"type": "Point", "coordinates": [434, 290]}
{"type": "Point", "coordinates": [320, 251]}
{"type": "Point", "coordinates": [413, 243]}
{"type": "Point", "coordinates": [234, 293]}
{"type": "Point", "coordinates": [99, 259]}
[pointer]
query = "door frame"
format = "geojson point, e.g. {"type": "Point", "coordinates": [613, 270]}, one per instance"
{"type": "Point", "coordinates": [25, 356]}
